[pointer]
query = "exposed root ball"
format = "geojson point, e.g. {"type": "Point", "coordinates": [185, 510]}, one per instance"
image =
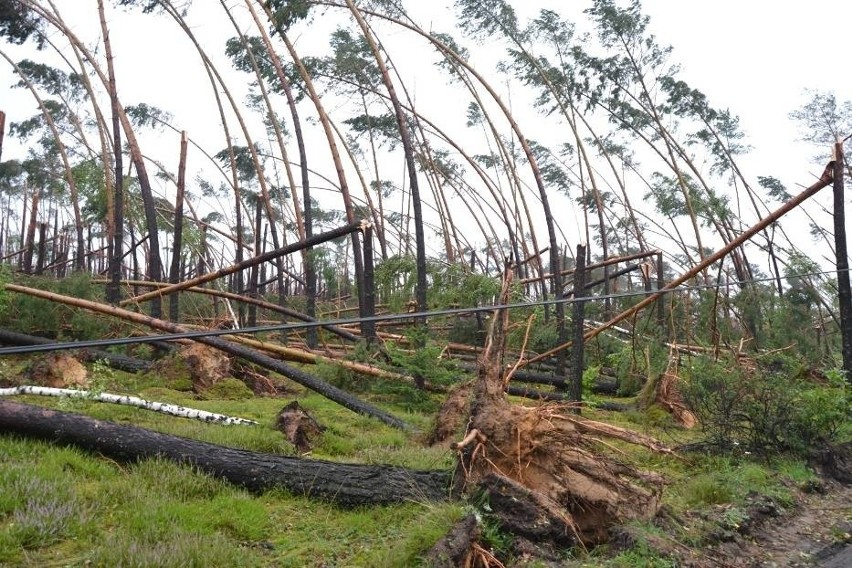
{"type": "Point", "coordinates": [557, 456]}
{"type": "Point", "coordinates": [453, 414]}
{"type": "Point", "coordinates": [549, 459]}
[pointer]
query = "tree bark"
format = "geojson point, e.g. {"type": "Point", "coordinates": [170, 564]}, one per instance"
{"type": "Point", "coordinates": [408, 150]}
{"type": "Point", "coordinates": [843, 287]}
{"type": "Point", "coordinates": [113, 291]}
{"type": "Point", "coordinates": [340, 332]}
{"type": "Point", "coordinates": [29, 245]}
{"type": "Point", "coordinates": [177, 241]}
{"type": "Point", "coordinates": [239, 266]}
{"type": "Point", "coordinates": [576, 388]}
{"type": "Point", "coordinates": [2, 130]}
{"type": "Point", "coordinates": [368, 326]}
{"type": "Point", "coordinates": [343, 484]}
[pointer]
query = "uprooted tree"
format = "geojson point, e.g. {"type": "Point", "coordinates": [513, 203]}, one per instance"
{"type": "Point", "coordinates": [542, 467]}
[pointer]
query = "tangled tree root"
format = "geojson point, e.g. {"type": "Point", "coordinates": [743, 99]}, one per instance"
{"type": "Point", "coordinates": [543, 468]}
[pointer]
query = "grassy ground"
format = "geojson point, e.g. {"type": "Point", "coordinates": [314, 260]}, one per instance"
{"type": "Point", "coordinates": [62, 507]}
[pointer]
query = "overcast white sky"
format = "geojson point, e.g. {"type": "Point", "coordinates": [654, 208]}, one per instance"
{"type": "Point", "coordinates": [754, 57]}
{"type": "Point", "coordinates": [757, 57]}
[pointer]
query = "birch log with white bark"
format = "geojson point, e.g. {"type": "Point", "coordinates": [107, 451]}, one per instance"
{"type": "Point", "coordinates": [162, 407]}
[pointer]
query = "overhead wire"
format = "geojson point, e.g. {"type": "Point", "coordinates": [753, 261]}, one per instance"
{"type": "Point", "coordinates": [284, 327]}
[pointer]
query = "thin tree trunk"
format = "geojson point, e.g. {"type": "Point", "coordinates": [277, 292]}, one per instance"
{"type": "Point", "coordinates": [304, 223]}
{"type": "Point", "coordinates": [113, 291]}
{"type": "Point", "coordinates": [29, 246]}
{"type": "Point", "coordinates": [843, 287]}
{"type": "Point", "coordinates": [42, 248]}
{"type": "Point", "coordinates": [340, 332]}
{"type": "Point", "coordinates": [576, 389]}
{"type": "Point", "coordinates": [240, 266]}
{"type": "Point", "coordinates": [2, 131]}
{"type": "Point", "coordinates": [408, 150]}
{"type": "Point", "coordinates": [66, 163]}
{"type": "Point", "coordinates": [368, 326]}
{"type": "Point", "coordinates": [332, 144]}
{"type": "Point", "coordinates": [177, 241]}
{"type": "Point", "coordinates": [254, 273]}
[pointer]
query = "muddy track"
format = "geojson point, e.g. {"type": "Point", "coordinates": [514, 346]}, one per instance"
{"type": "Point", "coordinates": [817, 533]}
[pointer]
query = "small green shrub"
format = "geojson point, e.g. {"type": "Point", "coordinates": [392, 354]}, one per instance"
{"type": "Point", "coordinates": [772, 409]}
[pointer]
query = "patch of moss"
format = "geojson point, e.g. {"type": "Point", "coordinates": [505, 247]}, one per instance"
{"type": "Point", "coordinates": [229, 389]}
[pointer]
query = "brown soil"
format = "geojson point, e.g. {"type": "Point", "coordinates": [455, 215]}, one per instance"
{"type": "Point", "coordinates": [452, 416]}
{"type": "Point", "coordinates": [57, 370]}
{"type": "Point", "coordinates": [817, 533]}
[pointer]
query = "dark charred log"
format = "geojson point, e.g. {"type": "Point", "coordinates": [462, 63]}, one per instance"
{"type": "Point", "coordinates": [343, 484]}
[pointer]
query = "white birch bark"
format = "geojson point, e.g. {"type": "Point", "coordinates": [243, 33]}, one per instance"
{"type": "Point", "coordinates": [162, 407]}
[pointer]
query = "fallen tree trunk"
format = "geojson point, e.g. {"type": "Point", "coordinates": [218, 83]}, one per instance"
{"type": "Point", "coordinates": [336, 330]}
{"type": "Point", "coordinates": [127, 400]}
{"type": "Point", "coordinates": [317, 385]}
{"type": "Point", "coordinates": [344, 484]}
{"type": "Point", "coordinates": [115, 361]}
{"type": "Point", "coordinates": [308, 357]}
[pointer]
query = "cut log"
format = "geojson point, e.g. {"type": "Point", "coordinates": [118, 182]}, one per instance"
{"type": "Point", "coordinates": [344, 484]}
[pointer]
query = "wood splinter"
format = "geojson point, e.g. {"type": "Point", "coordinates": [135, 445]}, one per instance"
{"type": "Point", "coordinates": [474, 434]}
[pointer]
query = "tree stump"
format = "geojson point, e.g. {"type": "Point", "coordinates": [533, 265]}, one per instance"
{"type": "Point", "coordinates": [299, 427]}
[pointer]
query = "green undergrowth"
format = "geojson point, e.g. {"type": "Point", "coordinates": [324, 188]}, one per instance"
{"type": "Point", "coordinates": [62, 507]}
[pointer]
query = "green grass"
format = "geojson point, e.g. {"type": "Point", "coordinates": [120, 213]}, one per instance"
{"type": "Point", "coordinates": [60, 506]}
{"type": "Point", "coordinates": [63, 507]}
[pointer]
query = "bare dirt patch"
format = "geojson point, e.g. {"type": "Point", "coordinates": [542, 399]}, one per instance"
{"type": "Point", "coordinates": [817, 533]}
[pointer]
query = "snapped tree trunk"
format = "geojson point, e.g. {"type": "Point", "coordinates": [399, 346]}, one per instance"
{"type": "Point", "coordinates": [843, 288]}
{"type": "Point", "coordinates": [343, 484]}
{"type": "Point", "coordinates": [113, 291]}
{"type": "Point", "coordinates": [2, 130]}
{"type": "Point", "coordinates": [177, 240]}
